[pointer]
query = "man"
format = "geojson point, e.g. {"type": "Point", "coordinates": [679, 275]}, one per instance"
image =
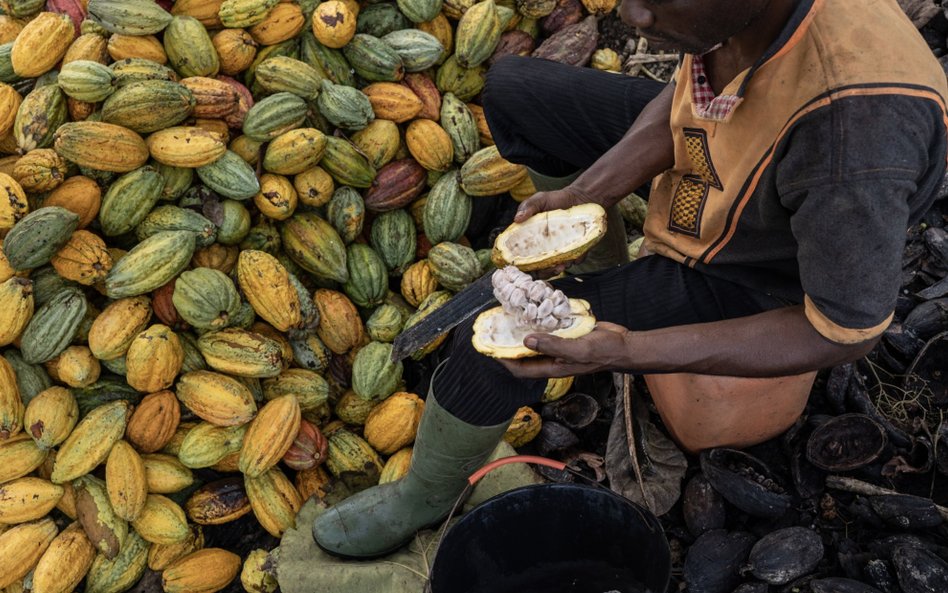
{"type": "Point", "coordinates": [797, 142]}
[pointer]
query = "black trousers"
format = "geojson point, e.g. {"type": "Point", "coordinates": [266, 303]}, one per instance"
{"type": "Point", "coordinates": [557, 119]}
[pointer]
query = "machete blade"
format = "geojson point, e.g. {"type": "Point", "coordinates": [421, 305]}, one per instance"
{"type": "Point", "coordinates": [460, 308]}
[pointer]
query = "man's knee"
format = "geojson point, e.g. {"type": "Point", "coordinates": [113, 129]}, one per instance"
{"type": "Point", "coordinates": [505, 83]}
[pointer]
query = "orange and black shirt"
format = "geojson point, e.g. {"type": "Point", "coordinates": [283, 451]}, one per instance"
{"type": "Point", "coordinates": [801, 178]}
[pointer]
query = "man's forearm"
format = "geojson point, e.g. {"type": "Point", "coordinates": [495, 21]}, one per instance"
{"type": "Point", "coordinates": [644, 152]}
{"type": "Point", "coordinates": [775, 343]}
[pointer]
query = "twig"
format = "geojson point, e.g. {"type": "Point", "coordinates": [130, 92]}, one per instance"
{"type": "Point", "coordinates": [641, 59]}
{"type": "Point", "coordinates": [630, 437]}
{"type": "Point", "coordinates": [866, 489]}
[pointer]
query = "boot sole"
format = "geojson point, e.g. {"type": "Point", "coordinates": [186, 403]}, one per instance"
{"type": "Point", "coordinates": [378, 555]}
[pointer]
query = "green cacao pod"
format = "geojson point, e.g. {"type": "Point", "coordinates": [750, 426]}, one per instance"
{"type": "Point", "coordinates": [385, 323]}
{"type": "Point", "coordinates": [328, 62]}
{"type": "Point", "coordinates": [417, 49]}
{"type": "Point", "coordinates": [53, 326]}
{"type": "Point", "coordinates": [350, 455]}
{"type": "Point", "coordinates": [487, 173]}
{"type": "Point", "coordinates": [85, 80]}
{"type": "Point", "coordinates": [381, 19]}
{"type": "Point", "coordinates": [173, 218]}
{"type": "Point", "coordinates": [394, 238]}
{"type": "Point", "coordinates": [129, 200]}
{"type": "Point", "coordinates": [132, 70]}
{"type": "Point", "coordinates": [315, 245]}
{"type": "Point", "coordinates": [458, 121]}
{"type": "Point", "coordinates": [238, 14]}
{"type": "Point", "coordinates": [455, 266]}
{"type": "Point", "coordinates": [478, 34]}
{"type": "Point", "coordinates": [374, 375]}
{"type": "Point", "coordinates": [148, 105]}
{"type": "Point", "coordinates": [36, 237]}
{"type": "Point", "coordinates": [205, 298]}
{"type": "Point", "coordinates": [189, 48]}
{"type": "Point", "coordinates": [346, 213]}
{"type": "Point", "coordinates": [230, 176]}
{"type": "Point", "coordinates": [295, 151]}
{"type": "Point", "coordinates": [241, 353]}
{"type": "Point", "coordinates": [368, 278]}
{"type": "Point", "coordinates": [373, 59]}
{"type": "Point", "coordinates": [447, 210]}
{"type": "Point", "coordinates": [40, 114]}
{"type": "Point", "coordinates": [344, 106]}
{"type": "Point", "coordinates": [346, 165]}
{"type": "Point", "coordinates": [464, 83]}
{"type": "Point", "coordinates": [129, 17]}
{"type": "Point", "coordinates": [150, 264]}
{"type": "Point", "coordinates": [273, 116]}
{"type": "Point", "coordinates": [122, 572]}
{"type": "Point", "coordinates": [420, 11]}
{"type": "Point", "coordinates": [285, 74]}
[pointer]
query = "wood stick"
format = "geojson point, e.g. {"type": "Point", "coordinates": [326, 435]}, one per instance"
{"type": "Point", "coordinates": [630, 437]}
{"type": "Point", "coordinates": [855, 486]}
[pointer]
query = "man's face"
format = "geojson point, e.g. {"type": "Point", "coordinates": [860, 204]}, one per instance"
{"type": "Point", "coordinates": [691, 26]}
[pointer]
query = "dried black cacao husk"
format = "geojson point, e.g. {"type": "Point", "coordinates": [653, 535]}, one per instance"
{"type": "Point", "coordinates": [786, 554]}
{"type": "Point", "coordinates": [859, 401]}
{"type": "Point", "coordinates": [902, 341]}
{"type": "Point", "coordinates": [920, 571]}
{"type": "Point", "coordinates": [928, 319]}
{"type": "Point", "coordinates": [879, 574]}
{"type": "Point", "coordinates": [936, 240]}
{"type": "Point", "coordinates": [555, 437]}
{"type": "Point", "coordinates": [846, 442]}
{"type": "Point", "coordinates": [575, 411]}
{"type": "Point", "coordinates": [840, 585]}
{"type": "Point", "coordinates": [702, 507]}
{"type": "Point", "coordinates": [837, 386]}
{"type": "Point", "coordinates": [904, 511]}
{"type": "Point", "coordinates": [752, 588]}
{"type": "Point", "coordinates": [714, 561]}
{"type": "Point", "coordinates": [930, 369]}
{"type": "Point", "coordinates": [941, 455]}
{"type": "Point", "coordinates": [746, 482]}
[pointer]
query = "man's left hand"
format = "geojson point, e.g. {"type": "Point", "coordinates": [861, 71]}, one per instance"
{"type": "Point", "coordinates": [604, 348]}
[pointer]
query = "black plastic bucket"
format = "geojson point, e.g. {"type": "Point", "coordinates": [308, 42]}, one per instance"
{"type": "Point", "coordinates": [554, 538]}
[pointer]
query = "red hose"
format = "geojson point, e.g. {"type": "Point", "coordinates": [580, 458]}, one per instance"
{"type": "Point", "coordinates": [476, 476]}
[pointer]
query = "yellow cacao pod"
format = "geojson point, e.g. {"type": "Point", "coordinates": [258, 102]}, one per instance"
{"type": "Point", "coordinates": [39, 170]}
{"type": "Point", "coordinates": [16, 310]}
{"type": "Point", "coordinates": [393, 424]}
{"type": "Point", "coordinates": [236, 49]}
{"type": "Point", "coordinates": [255, 576]}
{"type": "Point", "coordinates": [206, 445]}
{"type": "Point", "coordinates": [189, 147]}
{"type": "Point", "coordinates": [165, 474]}
{"type": "Point", "coordinates": [9, 104]}
{"type": "Point", "coordinates": [270, 435]}
{"type": "Point", "coordinates": [161, 556]}
{"type": "Point", "coordinates": [397, 466]}
{"type": "Point", "coordinates": [90, 442]}
{"type": "Point", "coordinates": [266, 284]}
{"type": "Point", "coordinates": [284, 22]}
{"type": "Point", "coordinates": [556, 388]}
{"type": "Point", "coordinates": [83, 259]}
{"type": "Point", "coordinates": [19, 455]}
{"type": "Point", "coordinates": [314, 187]}
{"type": "Point", "coordinates": [418, 282]}
{"type": "Point", "coordinates": [147, 47]}
{"type": "Point", "coordinates": [274, 500]}
{"type": "Point", "coordinates": [101, 146]}
{"type": "Point", "coordinates": [51, 416]}
{"type": "Point", "coordinates": [22, 546]}
{"type": "Point", "coordinates": [65, 563]}
{"type": "Point", "coordinates": [524, 428]}
{"type": "Point", "coordinates": [90, 46]}
{"type": "Point", "coordinates": [430, 145]}
{"type": "Point", "coordinates": [334, 24]}
{"type": "Point", "coordinates": [75, 366]}
{"type": "Point", "coordinates": [116, 327]}
{"type": "Point", "coordinates": [277, 198]}
{"type": "Point", "coordinates": [154, 359]}
{"type": "Point", "coordinates": [204, 571]}
{"type": "Point", "coordinates": [125, 481]}
{"type": "Point", "coordinates": [392, 101]}
{"type": "Point", "coordinates": [41, 44]}
{"type": "Point", "coordinates": [162, 521]}
{"type": "Point", "coordinates": [340, 327]}
{"type": "Point", "coordinates": [15, 206]}
{"type": "Point", "coordinates": [78, 194]}
{"type": "Point", "coordinates": [27, 499]}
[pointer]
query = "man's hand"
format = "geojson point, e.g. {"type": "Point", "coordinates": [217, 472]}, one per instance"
{"type": "Point", "coordinates": [544, 201]}
{"type": "Point", "coordinates": [604, 348]}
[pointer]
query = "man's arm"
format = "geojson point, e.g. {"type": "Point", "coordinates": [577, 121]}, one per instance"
{"type": "Point", "coordinates": [645, 151]}
{"type": "Point", "coordinates": [775, 343]}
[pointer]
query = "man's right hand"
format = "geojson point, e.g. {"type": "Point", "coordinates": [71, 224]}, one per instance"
{"type": "Point", "coordinates": [544, 201]}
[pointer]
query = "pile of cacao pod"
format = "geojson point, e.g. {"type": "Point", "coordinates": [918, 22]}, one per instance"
{"type": "Point", "coordinates": [219, 215]}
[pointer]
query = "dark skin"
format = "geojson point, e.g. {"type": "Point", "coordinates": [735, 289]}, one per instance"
{"type": "Point", "coordinates": [742, 347]}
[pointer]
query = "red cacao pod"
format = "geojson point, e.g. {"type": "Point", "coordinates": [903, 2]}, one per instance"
{"type": "Point", "coordinates": [164, 308]}
{"type": "Point", "coordinates": [309, 449]}
{"type": "Point", "coordinates": [396, 185]}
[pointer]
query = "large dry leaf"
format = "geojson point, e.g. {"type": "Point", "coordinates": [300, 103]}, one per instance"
{"type": "Point", "coordinates": [919, 11]}
{"type": "Point", "coordinates": [662, 475]}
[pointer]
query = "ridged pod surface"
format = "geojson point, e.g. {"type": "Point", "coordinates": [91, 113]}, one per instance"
{"type": "Point", "coordinates": [149, 105]}
{"type": "Point", "coordinates": [154, 421]}
{"type": "Point", "coordinates": [487, 173]}
{"type": "Point", "coordinates": [90, 442]}
{"type": "Point", "coordinates": [100, 145]}
{"type": "Point", "coordinates": [19, 456]}
{"type": "Point", "coordinates": [270, 435]}
{"type": "Point", "coordinates": [266, 284]}
{"type": "Point", "coordinates": [458, 121]}
{"type": "Point", "coordinates": [217, 398]}
{"type": "Point", "coordinates": [21, 548]}
{"type": "Point", "coordinates": [430, 145]}
{"type": "Point", "coordinates": [189, 48]}
{"type": "Point", "coordinates": [37, 236]}
{"type": "Point", "coordinates": [393, 424]}
{"type": "Point", "coordinates": [129, 17]}
{"type": "Point", "coordinates": [186, 146]}
{"type": "Point", "coordinates": [316, 246]}
{"type": "Point", "coordinates": [206, 298]}
{"type": "Point", "coordinates": [65, 563]}
{"type": "Point", "coordinates": [53, 326]}
{"type": "Point", "coordinates": [274, 500]}
{"type": "Point", "coordinates": [117, 325]}
{"type": "Point", "coordinates": [203, 571]}
{"type": "Point", "coordinates": [41, 44]}
{"type": "Point", "coordinates": [162, 521]}
{"type": "Point", "coordinates": [242, 353]}
{"type": "Point", "coordinates": [51, 416]}
{"type": "Point", "coordinates": [122, 572]}
{"type": "Point", "coordinates": [150, 264]}
{"type": "Point", "coordinates": [447, 210]}
{"type": "Point", "coordinates": [230, 176]}
{"type": "Point", "coordinates": [394, 238]}
{"type": "Point", "coordinates": [374, 375]}
{"type": "Point", "coordinates": [40, 115]}
{"type": "Point", "coordinates": [27, 499]}
{"type": "Point", "coordinates": [16, 310]}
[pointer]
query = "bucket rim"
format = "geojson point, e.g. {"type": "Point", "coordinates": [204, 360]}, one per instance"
{"type": "Point", "coordinates": [649, 519]}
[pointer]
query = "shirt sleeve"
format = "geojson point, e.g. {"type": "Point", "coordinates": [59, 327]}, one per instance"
{"type": "Point", "coordinates": [852, 178]}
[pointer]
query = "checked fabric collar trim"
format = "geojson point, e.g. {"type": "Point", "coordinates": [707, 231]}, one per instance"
{"type": "Point", "coordinates": [705, 104]}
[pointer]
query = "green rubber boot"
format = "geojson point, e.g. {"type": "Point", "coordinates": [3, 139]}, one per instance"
{"type": "Point", "coordinates": [612, 250]}
{"type": "Point", "coordinates": [379, 520]}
